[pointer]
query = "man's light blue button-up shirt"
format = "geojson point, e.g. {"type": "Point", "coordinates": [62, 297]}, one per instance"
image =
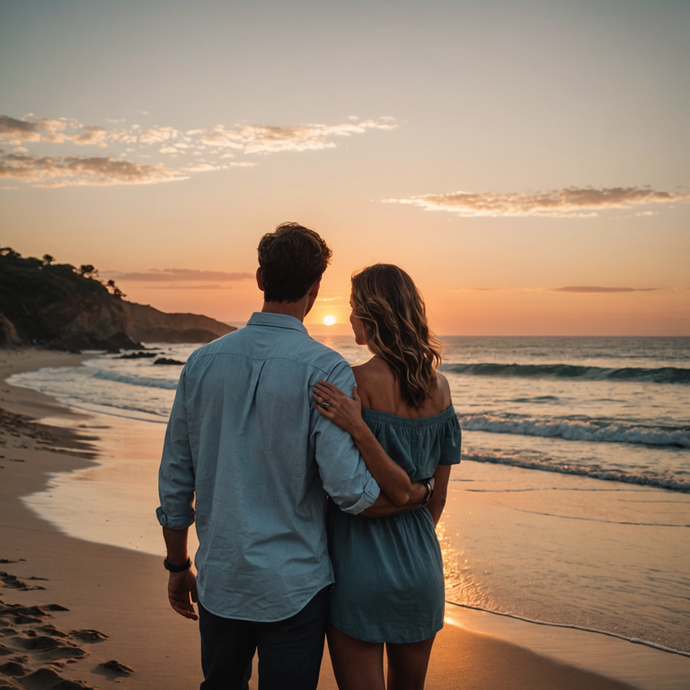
{"type": "Point", "coordinates": [248, 456]}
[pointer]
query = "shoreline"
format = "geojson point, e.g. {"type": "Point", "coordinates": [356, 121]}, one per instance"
{"type": "Point", "coordinates": [121, 592]}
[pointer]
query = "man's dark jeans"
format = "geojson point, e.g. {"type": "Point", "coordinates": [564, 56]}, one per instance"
{"type": "Point", "coordinates": [290, 651]}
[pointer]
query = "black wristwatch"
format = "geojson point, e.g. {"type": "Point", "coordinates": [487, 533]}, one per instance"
{"type": "Point", "coordinates": [177, 568]}
{"type": "Point", "coordinates": [429, 484]}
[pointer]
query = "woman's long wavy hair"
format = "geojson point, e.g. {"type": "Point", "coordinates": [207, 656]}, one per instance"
{"type": "Point", "coordinates": [395, 324]}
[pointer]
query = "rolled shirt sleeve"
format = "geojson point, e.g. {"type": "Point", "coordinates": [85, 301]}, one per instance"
{"type": "Point", "coordinates": [343, 472]}
{"type": "Point", "coordinates": [176, 473]}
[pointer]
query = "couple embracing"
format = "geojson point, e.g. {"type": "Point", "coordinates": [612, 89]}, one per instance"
{"type": "Point", "coordinates": [315, 511]}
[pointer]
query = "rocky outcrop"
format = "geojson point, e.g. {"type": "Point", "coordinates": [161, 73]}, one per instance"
{"type": "Point", "coordinates": [8, 333]}
{"type": "Point", "coordinates": [85, 322]}
{"type": "Point", "coordinates": [57, 306]}
{"type": "Point", "coordinates": [150, 325]}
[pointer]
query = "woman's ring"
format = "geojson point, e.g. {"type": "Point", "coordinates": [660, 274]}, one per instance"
{"type": "Point", "coordinates": [325, 405]}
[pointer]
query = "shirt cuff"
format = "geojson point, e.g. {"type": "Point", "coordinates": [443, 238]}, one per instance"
{"type": "Point", "coordinates": [173, 522]}
{"type": "Point", "coordinates": [367, 499]}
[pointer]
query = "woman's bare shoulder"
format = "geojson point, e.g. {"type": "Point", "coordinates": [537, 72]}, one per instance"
{"type": "Point", "coordinates": [443, 385]}
{"type": "Point", "coordinates": [441, 395]}
{"type": "Point", "coordinates": [375, 370]}
{"type": "Point", "coordinates": [375, 383]}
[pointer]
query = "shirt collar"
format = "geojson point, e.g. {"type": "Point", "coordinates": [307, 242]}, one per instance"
{"type": "Point", "coordinates": [262, 318]}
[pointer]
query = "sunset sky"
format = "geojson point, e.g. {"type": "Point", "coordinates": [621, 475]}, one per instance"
{"type": "Point", "coordinates": [526, 161]}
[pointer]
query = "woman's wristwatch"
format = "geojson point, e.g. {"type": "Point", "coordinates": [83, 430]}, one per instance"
{"type": "Point", "coordinates": [429, 484]}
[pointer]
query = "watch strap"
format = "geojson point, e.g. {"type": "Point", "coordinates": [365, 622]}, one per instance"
{"type": "Point", "coordinates": [429, 484]}
{"type": "Point", "coordinates": [177, 568]}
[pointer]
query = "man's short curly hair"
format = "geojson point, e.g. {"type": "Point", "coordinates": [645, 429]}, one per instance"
{"type": "Point", "coordinates": [291, 259]}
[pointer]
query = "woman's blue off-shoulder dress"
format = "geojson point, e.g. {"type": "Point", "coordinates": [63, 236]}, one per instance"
{"type": "Point", "coordinates": [389, 571]}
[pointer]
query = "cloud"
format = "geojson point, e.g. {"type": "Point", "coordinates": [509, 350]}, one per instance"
{"type": "Point", "coordinates": [169, 275]}
{"type": "Point", "coordinates": [557, 203]}
{"type": "Point", "coordinates": [57, 171]}
{"type": "Point", "coordinates": [55, 131]}
{"type": "Point", "coordinates": [276, 139]}
{"type": "Point", "coordinates": [97, 136]}
{"type": "Point", "coordinates": [151, 136]}
{"type": "Point", "coordinates": [590, 289]}
{"type": "Point", "coordinates": [19, 130]}
{"type": "Point", "coordinates": [33, 162]}
{"type": "Point", "coordinates": [202, 167]}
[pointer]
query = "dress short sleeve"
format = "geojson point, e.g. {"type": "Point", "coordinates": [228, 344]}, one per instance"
{"type": "Point", "coordinates": [450, 452]}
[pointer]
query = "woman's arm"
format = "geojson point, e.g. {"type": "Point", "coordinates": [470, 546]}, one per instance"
{"type": "Point", "coordinates": [347, 414]}
{"type": "Point", "coordinates": [438, 500]}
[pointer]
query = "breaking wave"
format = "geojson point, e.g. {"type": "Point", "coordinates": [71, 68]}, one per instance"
{"type": "Point", "coordinates": [597, 431]}
{"type": "Point", "coordinates": [662, 481]}
{"type": "Point", "coordinates": [148, 382]}
{"type": "Point", "coordinates": [572, 371]}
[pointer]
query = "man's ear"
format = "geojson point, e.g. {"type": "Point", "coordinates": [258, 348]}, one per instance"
{"type": "Point", "coordinates": [312, 295]}
{"type": "Point", "coordinates": [259, 282]}
{"type": "Point", "coordinates": [314, 290]}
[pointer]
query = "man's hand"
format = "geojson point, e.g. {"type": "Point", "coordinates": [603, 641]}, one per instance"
{"type": "Point", "coordinates": [182, 592]}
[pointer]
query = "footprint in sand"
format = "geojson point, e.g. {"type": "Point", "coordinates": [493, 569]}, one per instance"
{"type": "Point", "coordinates": [28, 641]}
{"type": "Point", "coordinates": [89, 635]}
{"type": "Point", "coordinates": [48, 679]}
{"type": "Point", "coordinates": [117, 668]}
{"type": "Point", "coordinates": [43, 647]}
{"type": "Point", "coordinates": [16, 583]}
{"type": "Point", "coordinates": [25, 615]}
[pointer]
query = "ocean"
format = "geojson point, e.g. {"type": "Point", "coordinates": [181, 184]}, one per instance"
{"type": "Point", "coordinates": [579, 445]}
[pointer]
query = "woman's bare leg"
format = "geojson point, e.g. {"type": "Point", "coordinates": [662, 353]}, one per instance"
{"type": "Point", "coordinates": [357, 665]}
{"type": "Point", "coordinates": [407, 664]}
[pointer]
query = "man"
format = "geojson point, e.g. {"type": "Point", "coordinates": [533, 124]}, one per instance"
{"type": "Point", "coordinates": [248, 458]}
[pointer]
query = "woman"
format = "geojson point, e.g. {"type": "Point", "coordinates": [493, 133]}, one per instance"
{"type": "Point", "coordinates": [389, 572]}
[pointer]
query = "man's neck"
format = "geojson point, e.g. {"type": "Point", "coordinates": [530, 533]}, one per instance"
{"type": "Point", "coordinates": [296, 309]}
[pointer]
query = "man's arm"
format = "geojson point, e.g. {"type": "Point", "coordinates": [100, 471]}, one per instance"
{"type": "Point", "coordinates": [343, 473]}
{"type": "Point", "coordinates": [346, 413]}
{"type": "Point", "coordinates": [384, 507]}
{"type": "Point", "coordinates": [181, 586]}
{"type": "Point", "coordinates": [176, 512]}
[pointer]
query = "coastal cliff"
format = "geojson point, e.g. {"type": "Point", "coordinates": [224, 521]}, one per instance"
{"type": "Point", "coordinates": [60, 306]}
{"type": "Point", "coordinates": [150, 325]}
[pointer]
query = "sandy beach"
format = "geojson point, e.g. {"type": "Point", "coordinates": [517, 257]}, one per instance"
{"type": "Point", "coordinates": [79, 614]}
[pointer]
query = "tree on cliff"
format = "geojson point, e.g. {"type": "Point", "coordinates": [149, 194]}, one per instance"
{"type": "Point", "coordinates": [115, 289]}
{"type": "Point", "coordinates": [88, 271]}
